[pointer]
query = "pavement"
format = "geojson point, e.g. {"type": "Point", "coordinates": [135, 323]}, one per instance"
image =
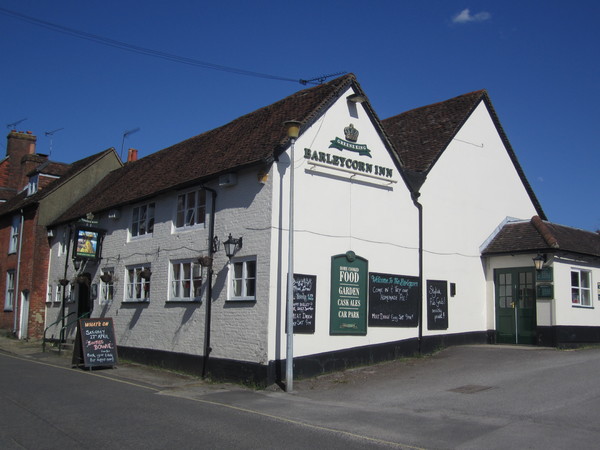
{"type": "Point", "coordinates": [124, 371]}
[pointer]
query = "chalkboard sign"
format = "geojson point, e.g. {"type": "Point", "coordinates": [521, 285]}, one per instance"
{"type": "Point", "coordinates": [95, 344]}
{"type": "Point", "coordinates": [393, 300]}
{"type": "Point", "coordinates": [305, 288]}
{"type": "Point", "coordinates": [437, 305]}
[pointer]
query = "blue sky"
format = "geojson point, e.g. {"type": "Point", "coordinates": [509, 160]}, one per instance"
{"type": "Point", "coordinates": [537, 59]}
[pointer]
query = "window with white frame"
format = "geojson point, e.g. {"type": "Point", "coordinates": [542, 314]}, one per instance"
{"type": "Point", "coordinates": [107, 287]}
{"type": "Point", "coordinates": [32, 186]}
{"type": "Point", "coordinates": [186, 281]}
{"type": "Point", "coordinates": [59, 293]}
{"type": "Point", "coordinates": [242, 277]}
{"type": "Point", "coordinates": [49, 294]}
{"type": "Point", "coordinates": [191, 209]}
{"type": "Point", "coordinates": [138, 283]}
{"type": "Point", "coordinates": [581, 287]}
{"type": "Point", "coordinates": [14, 234]}
{"type": "Point", "coordinates": [142, 220]}
{"type": "Point", "coordinates": [9, 299]}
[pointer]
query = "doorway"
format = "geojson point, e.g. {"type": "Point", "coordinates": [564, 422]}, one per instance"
{"type": "Point", "coordinates": [84, 307]}
{"type": "Point", "coordinates": [515, 306]}
{"type": "Point", "coordinates": [24, 328]}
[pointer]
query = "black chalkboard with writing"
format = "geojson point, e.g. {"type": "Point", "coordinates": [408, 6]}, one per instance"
{"type": "Point", "coordinates": [393, 300]}
{"type": "Point", "coordinates": [437, 305]}
{"type": "Point", "coordinates": [305, 288]}
{"type": "Point", "coordinates": [95, 345]}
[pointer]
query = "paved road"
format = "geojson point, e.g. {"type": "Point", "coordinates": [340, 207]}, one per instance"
{"type": "Point", "coordinates": [463, 397]}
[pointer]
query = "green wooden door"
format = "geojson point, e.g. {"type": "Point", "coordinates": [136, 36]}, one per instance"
{"type": "Point", "coordinates": [515, 306]}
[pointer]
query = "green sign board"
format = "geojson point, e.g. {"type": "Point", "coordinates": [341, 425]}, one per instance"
{"type": "Point", "coordinates": [349, 278]}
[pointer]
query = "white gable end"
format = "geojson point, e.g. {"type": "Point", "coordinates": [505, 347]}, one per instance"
{"type": "Point", "coordinates": [471, 188]}
{"type": "Point", "coordinates": [348, 196]}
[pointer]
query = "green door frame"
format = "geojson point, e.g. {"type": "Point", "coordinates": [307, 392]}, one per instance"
{"type": "Point", "coordinates": [515, 305]}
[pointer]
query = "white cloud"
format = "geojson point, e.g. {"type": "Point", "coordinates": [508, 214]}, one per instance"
{"type": "Point", "coordinates": [465, 16]}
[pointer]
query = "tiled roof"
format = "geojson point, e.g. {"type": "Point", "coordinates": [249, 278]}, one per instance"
{"type": "Point", "coordinates": [539, 235]}
{"type": "Point", "coordinates": [251, 139]}
{"type": "Point", "coordinates": [52, 168]}
{"type": "Point", "coordinates": [421, 135]}
{"type": "Point", "coordinates": [66, 171]}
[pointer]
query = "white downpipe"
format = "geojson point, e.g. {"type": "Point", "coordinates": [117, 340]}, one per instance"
{"type": "Point", "coordinates": [17, 291]}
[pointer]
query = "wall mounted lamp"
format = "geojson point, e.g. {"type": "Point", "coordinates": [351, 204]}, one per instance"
{"type": "Point", "coordinates": [214, 244]}
{"type": "Point", "coordinates": [231, 245]}
{"type": "Point", "coordinates": [293, 128]}
{"type": "Point", "coordinates": [356, 98]}
{"type": "Point", "coordinates": [539, 261]}
{"type": "Point", "coordinates": [77, 264]}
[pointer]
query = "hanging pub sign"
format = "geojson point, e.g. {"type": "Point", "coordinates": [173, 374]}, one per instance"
{"type": "Point", "coordinates": [88, 243]}
{"type": "Point", "coordinates": [348, 308]}
{"type": "Point", "coordinates": [437, 305]}
{"type": "Point", "coordinates": [305, 288]}
{"type": "Point", "coordinates": [393, 300]}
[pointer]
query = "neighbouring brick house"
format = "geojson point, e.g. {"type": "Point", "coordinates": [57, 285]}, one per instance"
{"type": "Point", "coordinates": [34, 192]}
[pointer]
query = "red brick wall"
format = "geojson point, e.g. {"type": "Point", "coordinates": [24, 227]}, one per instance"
{"type": "Point", "coordinates": [7, 262]}
{"type": "Point", "coordinates": [33, 274]}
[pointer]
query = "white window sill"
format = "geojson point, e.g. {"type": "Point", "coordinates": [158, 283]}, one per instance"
{"type": "Point", "coordinates": [185, 229]}
{"type": "Point", "coordinates": [184, 300]}
{"type": "Point", "coordinates": [140, 237]}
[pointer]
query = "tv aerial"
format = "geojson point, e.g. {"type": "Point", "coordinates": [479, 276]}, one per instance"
{"type": "Point", "coordinates": [51, 134]}
{"type": "Point", "coordinates": [14, 124]}
{"type": "Point", "coordinates": [125, 134]}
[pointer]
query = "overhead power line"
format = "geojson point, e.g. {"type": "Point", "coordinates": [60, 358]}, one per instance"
{"type": "Point", "coordinates": [150, 52]}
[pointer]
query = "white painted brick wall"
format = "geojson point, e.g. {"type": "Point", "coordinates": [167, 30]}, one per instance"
{"type": "Point", "coordinates": [239, 329]}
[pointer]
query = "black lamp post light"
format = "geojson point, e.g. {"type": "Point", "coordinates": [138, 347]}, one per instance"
{"type": "Point", "coordinates": [539, 261]}
{"type": "Point", "coordinates": [232, 245]}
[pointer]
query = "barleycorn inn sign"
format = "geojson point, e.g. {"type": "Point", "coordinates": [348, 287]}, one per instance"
{"type": "Point", "coordinates": [348, 164]}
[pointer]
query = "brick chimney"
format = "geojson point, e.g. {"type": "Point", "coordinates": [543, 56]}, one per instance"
{"type": "Point", "coordinates": [19, 145]}
{"type": "Point", "coordinates": [132, 155]}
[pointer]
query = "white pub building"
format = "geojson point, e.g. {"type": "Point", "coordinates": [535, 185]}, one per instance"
{"type": "Point", "coordinates": [407, 235]}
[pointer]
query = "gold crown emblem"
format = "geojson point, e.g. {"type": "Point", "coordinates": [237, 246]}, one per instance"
{"type": "Point", "coordinates": [351, 133]}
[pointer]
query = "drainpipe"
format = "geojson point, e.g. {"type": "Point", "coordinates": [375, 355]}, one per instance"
{"type": "Point", "coordinates": [64, 288]}
{"type": "Point", "coordinates": [211, 252]}
{"type": "Point", "coordinates": [415, 197]}
{"type": "Point", "coordinates": [16, 291]}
